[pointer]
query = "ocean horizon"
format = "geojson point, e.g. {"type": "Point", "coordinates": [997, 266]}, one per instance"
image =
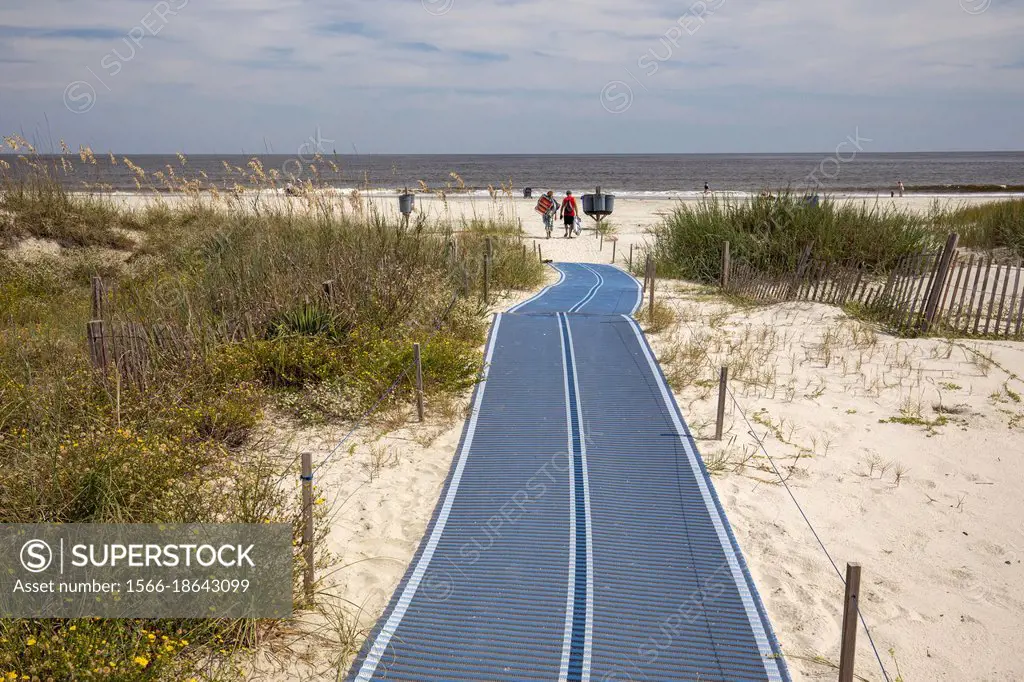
{"type": "Point", "coordinates": [845, 172]}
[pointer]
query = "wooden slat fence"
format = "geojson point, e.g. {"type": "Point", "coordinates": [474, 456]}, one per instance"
{"type": "Point", "coordinates": [951, 291]}
{"type": "Point", "coordinates": [133, 351]}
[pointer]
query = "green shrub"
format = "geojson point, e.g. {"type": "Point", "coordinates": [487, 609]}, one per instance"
{"type": "Point", "coordinates": [772, 233]}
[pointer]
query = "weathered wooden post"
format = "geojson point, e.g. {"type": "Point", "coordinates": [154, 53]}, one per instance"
{"type": "Point", "coordinates": [654, 276]}
{"type": "Point", "coordinates": [96, 335]}
{"type": "Point", "coordinates": [614, 243]}
{"type": "Point", "coordinates": [419, 376]}
{"type": "Point", "coordinates": [940, 281]}
{"type": "Point", "coordinates": [631, 258]}
{"type": "Point", "coordinates": [647, 274]}
{"type": "Point", "coordinates": [97, 298]}
{"type": "Point", "coordinates": [307, 525]}
{"type": "Point", "coordinates": [723, 388]}
{"type": "Point", "coordinates": [726, 264]}
{"type": "Point", "coordinates": [487, 278]}
{"type": "Point", "coordinates": [850, 610]}
{"type": "Point", "coordinates": [328, 287]}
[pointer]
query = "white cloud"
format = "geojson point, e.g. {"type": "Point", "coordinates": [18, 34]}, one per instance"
{"type": "Point", "coordinates": [266, 68]}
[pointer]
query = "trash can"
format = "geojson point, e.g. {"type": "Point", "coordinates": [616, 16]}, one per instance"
{"type": "Point", "coordinates": [598, 204]}
{"type": "Point", "coordinates": [406, 202]}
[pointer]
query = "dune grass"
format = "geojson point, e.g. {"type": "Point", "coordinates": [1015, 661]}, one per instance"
{"type": "Point", "coordinates": [771, 233]}
{"type": "Point", "coordinates": [994, 225]}
{"type": "Point", "coordinates": [243, 290]}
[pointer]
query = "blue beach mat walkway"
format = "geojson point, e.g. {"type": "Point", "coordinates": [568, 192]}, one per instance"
{"type": "Point", "coordinates": [578, 535]}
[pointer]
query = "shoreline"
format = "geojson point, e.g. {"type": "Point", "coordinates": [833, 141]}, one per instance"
{"type": "Point", "coordinates": [633, 195]}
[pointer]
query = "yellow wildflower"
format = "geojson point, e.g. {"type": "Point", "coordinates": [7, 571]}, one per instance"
{"type": "Point", "coordinates": [142, 661]}
{"type": "Point", "coordinates": [31, 641]}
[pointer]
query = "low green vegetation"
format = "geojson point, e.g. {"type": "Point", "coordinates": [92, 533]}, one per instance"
{"type": "Point", "coordinates": [236, 324]}
{"type": "Point", "coordinates": [995, 225]}
{"type": "Point", "coordinates": [772, 233]}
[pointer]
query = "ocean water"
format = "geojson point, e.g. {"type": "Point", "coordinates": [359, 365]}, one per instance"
{"type": "Point", "coordinates": [628, 175]}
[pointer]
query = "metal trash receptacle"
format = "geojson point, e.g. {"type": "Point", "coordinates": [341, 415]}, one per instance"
{"type": "Point", "coordinates": [406, 202]}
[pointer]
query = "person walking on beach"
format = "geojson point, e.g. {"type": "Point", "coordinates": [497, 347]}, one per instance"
{"type": "Point", "coordinates": [707, 187]}
{"type": "Point", "coordinates": [568, 213]}
{"type": "Point", "coordinates": [899, 185]}
{"type": "Point", "coordinates": [547, 206]}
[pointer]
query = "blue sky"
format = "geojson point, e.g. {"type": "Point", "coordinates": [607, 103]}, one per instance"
{"type": "Point", "coordinates": [514, 76]}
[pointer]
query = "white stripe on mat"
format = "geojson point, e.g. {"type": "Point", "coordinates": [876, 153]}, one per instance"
{"type": "Point", "coordinates": [542, 292]}
{"type": "Point", "coordinates": [771, 666]}
{"type": "Point", "coordinates": [593, 290]}
{"type": "Point", "coordinates": [588, 637]}
{"type": "Point", "coordinates": [563, 673]}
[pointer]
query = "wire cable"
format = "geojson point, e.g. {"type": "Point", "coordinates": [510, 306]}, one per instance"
{"type": "Point", "coordinates": [792, 496]}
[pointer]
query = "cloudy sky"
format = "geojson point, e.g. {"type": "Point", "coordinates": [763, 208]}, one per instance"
{"type": "Point", "coordinates": [514, 76]}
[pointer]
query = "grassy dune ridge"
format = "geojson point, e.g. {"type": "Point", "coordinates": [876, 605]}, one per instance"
{"type": "Point", "coordinates": [771, 233]}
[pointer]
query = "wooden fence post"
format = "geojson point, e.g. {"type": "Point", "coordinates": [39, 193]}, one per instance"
{"type": "Point", "coordinates": [614, 243]}
{"type": "Point", "coordinates": [725, 265]}
{"type": "Point", "coordinates": [307, 525]}
{"type": "Point", "coordinates": [540, 255]}
{"type": "Point", "coordinates": [487, 277]}
{"type": "Point", "coordinates": [940, 281]}
{"type": "Point", "coordinates": [328, 287]}
{"type": "Point", "coordinates": [97, 298]}
{"type": "Point", "coordinates": [419, 376]}
{"type": "Point", "coordinates": [848, 648]}
{"type": "Point", "coordinates": [723, 386]}
{"type": "Point", "coordinates": [96, 335]}
{"type": "Point", "coordinates": [631, 258]}
{"type": "Point", "coordinates": [654, 274]}
{"type": "Point", "coordinates": [647, 274]}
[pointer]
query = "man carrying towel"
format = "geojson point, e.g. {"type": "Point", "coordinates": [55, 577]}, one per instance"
{"type": "Point", "coordinates": [568, 213]}
{"type": "Point", "coordinates": [548, 207]}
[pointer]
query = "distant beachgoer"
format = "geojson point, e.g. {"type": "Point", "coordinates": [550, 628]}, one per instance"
{"type": "Point", "coordinates": [899, 184]}
{"type": "Point", "coordinates": [547, 206]}
{"type": "Point", "coordinates": [567, 212]}
{"type": "Point", "coordinates": [892, 194]}
{"type": "Point", "coordinates": [707, 188]}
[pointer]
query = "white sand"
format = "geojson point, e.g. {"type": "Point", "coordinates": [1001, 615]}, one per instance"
{"type": "Point", "coordinates": [931, 512]}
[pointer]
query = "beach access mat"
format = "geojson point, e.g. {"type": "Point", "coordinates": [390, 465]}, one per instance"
{"type": "Point", "coordinates": [578, 536]}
